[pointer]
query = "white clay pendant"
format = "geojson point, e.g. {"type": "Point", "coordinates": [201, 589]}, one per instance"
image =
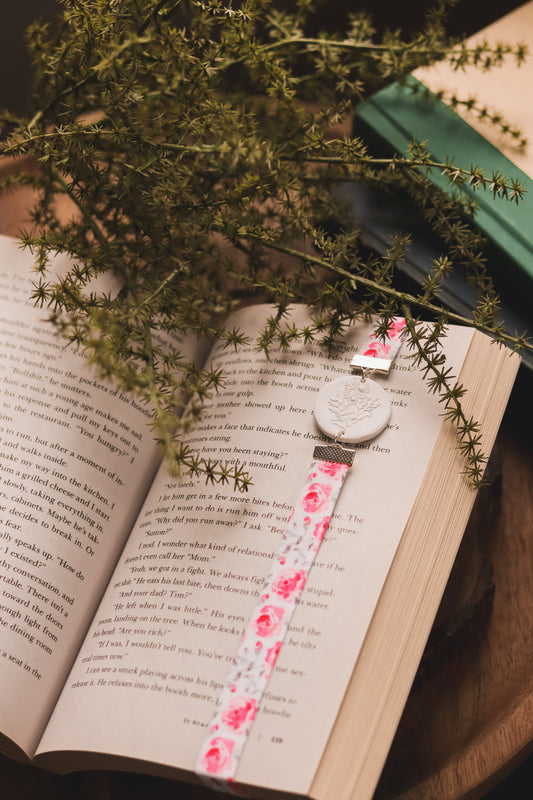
{"type": "Point", "coordinates": [351, 409]}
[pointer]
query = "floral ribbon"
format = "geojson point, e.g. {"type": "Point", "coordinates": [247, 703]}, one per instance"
{"type": "Point", "coordinates": [240, 697]}
{"type": "Point", "coordinates": [377, 354]}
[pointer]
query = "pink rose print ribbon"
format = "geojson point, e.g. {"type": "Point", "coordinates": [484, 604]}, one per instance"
{"type": "Point", "coordinates": [376, 354]}
{"type": "Point", "coordinates": [241, 696]}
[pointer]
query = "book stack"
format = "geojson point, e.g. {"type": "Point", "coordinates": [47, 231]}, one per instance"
{"type": "Point", "coordinates": [400, 114]}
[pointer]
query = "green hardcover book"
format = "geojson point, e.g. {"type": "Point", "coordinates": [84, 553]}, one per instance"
{"type": "Point", "coordinates": [397, 115]}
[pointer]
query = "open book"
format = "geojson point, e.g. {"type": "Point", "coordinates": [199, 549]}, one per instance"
{"type": "Point", "coordinates": [124, 592]}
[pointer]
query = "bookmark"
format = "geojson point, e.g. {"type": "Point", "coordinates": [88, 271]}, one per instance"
{"type": "Point", "coordinates": [350, 409]}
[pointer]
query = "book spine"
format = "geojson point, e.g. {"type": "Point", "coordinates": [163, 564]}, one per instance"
{"type": "Point", "coordinates": [400, 114]}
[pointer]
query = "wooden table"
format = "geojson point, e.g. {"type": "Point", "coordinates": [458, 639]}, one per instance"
{"type": "Point", "coordinates": [464, 726]}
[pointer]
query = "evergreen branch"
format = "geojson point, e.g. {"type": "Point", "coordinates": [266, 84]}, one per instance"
{"type": "Point", "coordinates": [461, 56]}
{"type": "Point", "coordinates": [208, 177]}
{"type": "Point", "coordinates": [474, 177]}
{"type": "Point", "coordinates": [177, 454]}
{"type": "Point", "coordinates": [190, 463]}
{"type": "Point", "coordinates": [152, 16]}
{"type": "Point", "coordinates": [405, 299]}
{"type": "Point", "coordinates": [483, 113]}
{"type": "Point", "coordinates": [134, 40]}
{"type": "Point", "coordinates": [160, 288]}
{"type": "Point", "coordinates": [427, 356]}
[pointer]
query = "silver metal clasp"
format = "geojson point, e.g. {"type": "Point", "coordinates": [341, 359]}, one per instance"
{"type": "Point", "coordinates": [335, 453]}
{"type": "Point", "coordinates": [369, 364]}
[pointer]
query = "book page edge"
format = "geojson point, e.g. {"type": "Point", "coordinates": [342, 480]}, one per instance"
{"type": "Point", "coordinates": [355, 753]}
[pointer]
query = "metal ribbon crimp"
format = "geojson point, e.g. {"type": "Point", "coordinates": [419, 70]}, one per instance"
{"type": "Point", "coordinates": [334, 453]}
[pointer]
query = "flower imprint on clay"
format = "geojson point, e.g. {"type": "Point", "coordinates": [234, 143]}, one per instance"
{"type": "Point", "coordinates": [351, 404]}
{"type": "Point", "coordinates": [351, 409]}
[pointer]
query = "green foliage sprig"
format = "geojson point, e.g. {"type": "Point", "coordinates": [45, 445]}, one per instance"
{"type": "Point", "coordinates": [194, 140]}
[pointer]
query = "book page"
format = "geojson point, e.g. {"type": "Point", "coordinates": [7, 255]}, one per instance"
{"type": "Point", "coordinates": [161, 644]}
{"type": "Point", "coordinates": [76, 459]}
{"type": "Point", "coordinates": [501, 90]}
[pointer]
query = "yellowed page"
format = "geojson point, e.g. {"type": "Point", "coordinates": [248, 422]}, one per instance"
{"type": "Point", "coordinates": [76, 459]}
{"type": "Point", "coordinates": [159, 649]}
